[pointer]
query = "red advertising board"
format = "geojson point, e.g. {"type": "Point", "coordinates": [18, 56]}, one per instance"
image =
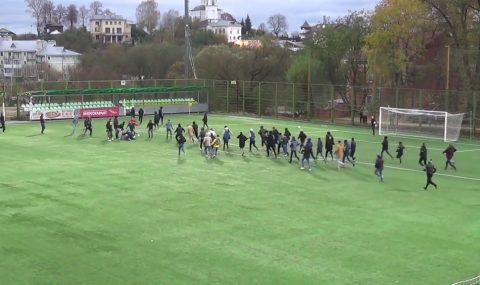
{"type": "Point", "coordinates": [100, 112]}
{"type": "Point", "coordinates": [52, 114]}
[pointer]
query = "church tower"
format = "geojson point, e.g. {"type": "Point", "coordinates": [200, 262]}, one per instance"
{"type": "Point", "coordinates": [212, 14]}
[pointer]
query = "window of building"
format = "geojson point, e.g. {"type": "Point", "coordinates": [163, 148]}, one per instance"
{"type": "Point", "coordinates": [119, 30]}
{"type": "Point", "coordinates": [1, 53]}
{"type": "Point", "coordinates": [97, 37]}
{"type": "Point", "coordinates": [107, 30]}
{"type": "Point", "coordinates": [97, 23]}
{"type": "Point", "coordinates": [231, 32]}
{"type": "Point", "coordinates": [48, 58]}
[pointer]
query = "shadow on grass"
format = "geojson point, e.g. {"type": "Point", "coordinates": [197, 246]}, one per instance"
{"type": "Point", "coordinates": [31, 136]}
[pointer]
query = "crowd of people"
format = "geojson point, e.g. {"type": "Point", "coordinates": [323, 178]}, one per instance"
{"type": "Point", "coordinates": [272, 141]}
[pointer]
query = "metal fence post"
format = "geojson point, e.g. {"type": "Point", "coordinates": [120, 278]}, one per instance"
{"type": "Point", "coordinates": [276, 100]}
{"type": "Point", "coordinates": [396, 97]}
{"type": "Point", "coordinates": [474, 115]}
{"type": "Point", "coordinates": [259, 99]}
{"type": "Point", "coordinates": [228, 95]}
{"type": "Point", "coordinates": [243, 97]}
{"type": "Point", "coordinates": [332, 107]}
{"type": "Point", "coordinates": [447, 100]}
{"type": "Point", "coordinates": [293, 101]}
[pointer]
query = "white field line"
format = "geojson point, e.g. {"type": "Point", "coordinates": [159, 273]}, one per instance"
{"type": "Point", "coordinates": [469, 150]}
{"type": "Point", "coordinates": [351, 132]}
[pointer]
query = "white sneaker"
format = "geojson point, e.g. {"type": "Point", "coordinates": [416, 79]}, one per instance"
{"type": "Point", "coordinates": [302, 168]}
{"type": "Point", "coordinates": [309, 169]}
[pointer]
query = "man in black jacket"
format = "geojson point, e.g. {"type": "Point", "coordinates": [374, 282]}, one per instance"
{"type": "Point", "coordinates": [109, 130]}
{"type": "Point", "coordinates": [140, 115]}
{"type": "Point", "coordinates": [116, 127]}
{"type": "Point", "coordinates": [42, 123]}
{"type": "Point", "coordinates": [271, 144]}
{"type": "Point", "coordinates": [385, 147]}
{"type": "Point", "coordinates": [2, 122]}
{"type": "Point", "coordinates": [329, 142]}
{"type": "Point", "coordinates": [302, 137]}
{"type": "Point", "coordinates": [430, 170]}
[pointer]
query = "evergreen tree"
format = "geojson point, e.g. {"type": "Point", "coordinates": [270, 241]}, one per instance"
{"type": "Point", "coordinates": [248, 26]}
{"type": "Point", "coordinates": [243, 27]}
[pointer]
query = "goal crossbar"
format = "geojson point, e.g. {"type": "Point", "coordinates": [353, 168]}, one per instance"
{"type": "Point", "coordinates": [420, 123]}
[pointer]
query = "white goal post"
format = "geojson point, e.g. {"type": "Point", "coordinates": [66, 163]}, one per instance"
{"type": "Point", "coordinates": [420, 123]}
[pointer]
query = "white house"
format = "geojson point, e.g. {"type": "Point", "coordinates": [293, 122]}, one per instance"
{"type": "Point", "coordinates": [23, 58]}
{"type": "Point", "coordinates": [110, 29]}
{"type": "Point", "coordinates": [211, 17]}
{"type": "Point", "coordinates": [58, 58]}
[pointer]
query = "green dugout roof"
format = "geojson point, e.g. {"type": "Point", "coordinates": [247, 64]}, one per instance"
{"type": "Point", "coordinates": [95, 91]}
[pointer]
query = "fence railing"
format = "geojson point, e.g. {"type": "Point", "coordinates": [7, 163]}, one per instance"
{"type": "Point", "coordinates": [330, 103]}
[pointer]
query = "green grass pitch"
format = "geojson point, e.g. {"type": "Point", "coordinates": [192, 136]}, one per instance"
{"type": "Point", "coordinates": [80, 210]}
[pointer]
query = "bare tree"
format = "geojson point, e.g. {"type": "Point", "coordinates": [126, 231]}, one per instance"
{"type": "Point", "coordinates": [262, 28]}
{"type": "Point", "coordinates": [170, 21]}
{"type": "Point", "coordinates": [48, 9]}
{"type": "Point", "coordinates": [96, 8]}
{"type": "Point", "coordinates": [148, 15]}
{"type": "Point", "coordinates": [278, 24]}
{"type": "Point", "coordinates": [60, 13]}
{"type": "Point", "coordinates": [72, 15]}
{"type": "Point", "coordinates": [83, 13]}
{"type": "Point", "coordinates": [108, 12]}
{"type": "Point", "coordinates": [34, 7]}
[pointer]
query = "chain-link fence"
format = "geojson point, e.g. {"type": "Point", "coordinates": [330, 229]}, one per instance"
{"type": "Point", "coordinates": [328, 103]}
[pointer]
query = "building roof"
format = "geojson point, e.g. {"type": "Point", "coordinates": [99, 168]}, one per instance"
{"type": "Point", "coordinates": [199, 8]}
{"type": "Point", "coordinates": [18, 46]}
{"type": "Point", "coordinates": [305, 25]}
{"type": "Point", "coordinates": [52, 50]}
{"type": "Point", "coordinates": [223, 24]}
{"type": "Point", "coordinates": [5, 31]}
{"type": "Point", "coordinates": [107, 17]}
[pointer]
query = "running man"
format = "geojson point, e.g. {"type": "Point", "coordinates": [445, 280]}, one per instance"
{"type": "Point", "coordinates": [109, 129]}
{"type": "Point", "coordinates": [400, 150]}
{"type": "Point", "coordinates": [191, 133]}
{"type": "Point", "coordinates": [252, 140]}
{"type": "Point", "coordinates": [181, 144]}
{"type": "Point", "coordinates": [202, 137]}
{"type": "Point", "coordinates": [87, 124]}
{"type": "Point", "coordinates": [205, 120]}
{"type": "Point", "coordinates": [241, 142]}
{"type": "Point", "coordinates": [263, 135]}
{"type": "Point", "coordinates": [430, 170]}
{"type": "Point", "coordinates": [320, 150]}
{"type": "Point", "coordinates": [74, 123]}
{"type": "Point", "coordinates": [116, 127]}
{"type": "Point", "coordinates": [42, 123]}
{"type": "Point", "coordinates": [179, 132]}
{"type": "Point", "coordinates": [339, 153]}
{"type": "Point", "coordinates": [385, 147]}
{"type": "Point", "coordinates": [307, 153]}
{"type": "Point", "coordinates": [271, 144]}
{"type": "Point", "coordinates": [169, 128]}
{"type": "Point", "coordinates": [2, 122]}
{"type": "Point", "coordinates": [329, 142]}
{"type": "Point", "coordinates": [207, 144]}
{"type": "Point", "coordinates": [140, 115]}
{"type": "Point", "coordinates": [379, 167]}
{"type": "Point", "coordinates": [346, 155]}
{"type": "Point", "coordinates": [353, 148]}
{"type": "Point", "coordinates": [449, 153]}
{"type": "Point", "coordinates": [195, 129]}
{"type": "Point", "coordinates": [302, 137]}
{"type": "Point", "coordinates": [150, 127]}
{"type": "Point", "coordinates": [160, 115]}
{"type": "Point", "coordinates": [373, 124]}
{"type": "Point", "coordinates": [293, 149]}
{"type": "Point", "coordinates": [423, 155]}
{"type": "Point", "coordinates": [227, 134]}
{"type": "Point", "coordinates": [156, 119]}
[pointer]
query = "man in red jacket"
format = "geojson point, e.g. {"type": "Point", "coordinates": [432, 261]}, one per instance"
{"type": "Point", "coordinates": [449, 152]}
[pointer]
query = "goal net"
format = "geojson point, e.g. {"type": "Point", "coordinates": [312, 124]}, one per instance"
{"type": "Point", "coordinates": [420, 123]}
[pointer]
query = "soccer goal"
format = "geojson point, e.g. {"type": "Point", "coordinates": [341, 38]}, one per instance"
{"type": "Point", "coordinates": [420, 123]}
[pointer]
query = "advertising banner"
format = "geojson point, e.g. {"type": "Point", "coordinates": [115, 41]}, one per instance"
{"type": "Point", "coordinates": [53, 114]}
{"type": "Point", "coordinates": [100, 112]}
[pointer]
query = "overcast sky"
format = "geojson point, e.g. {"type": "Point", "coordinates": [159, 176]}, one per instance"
{"type": "Point", "coordinates": [13, 15]}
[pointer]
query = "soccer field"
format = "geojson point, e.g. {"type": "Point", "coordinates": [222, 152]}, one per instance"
{"type": "Point", "coordinates": [81, 210]}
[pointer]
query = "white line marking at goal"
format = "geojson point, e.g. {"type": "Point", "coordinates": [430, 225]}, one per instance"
{"type": "Point", "coordinates": [469, 150]}
{"type": "Point", "coordinates": [420, 171]}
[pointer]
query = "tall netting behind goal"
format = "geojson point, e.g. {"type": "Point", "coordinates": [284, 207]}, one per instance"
{"type": "Point", "coordinates": [472, 281]}
{"type": "Point", "coordinates": [420, 123]}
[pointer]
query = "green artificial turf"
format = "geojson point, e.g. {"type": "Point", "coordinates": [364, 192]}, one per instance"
{"type": "Point", "coordinates": [81, 210]}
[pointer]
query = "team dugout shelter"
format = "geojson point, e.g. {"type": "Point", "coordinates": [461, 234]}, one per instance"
{"type": "Point", "coordinates": [111, 102]}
